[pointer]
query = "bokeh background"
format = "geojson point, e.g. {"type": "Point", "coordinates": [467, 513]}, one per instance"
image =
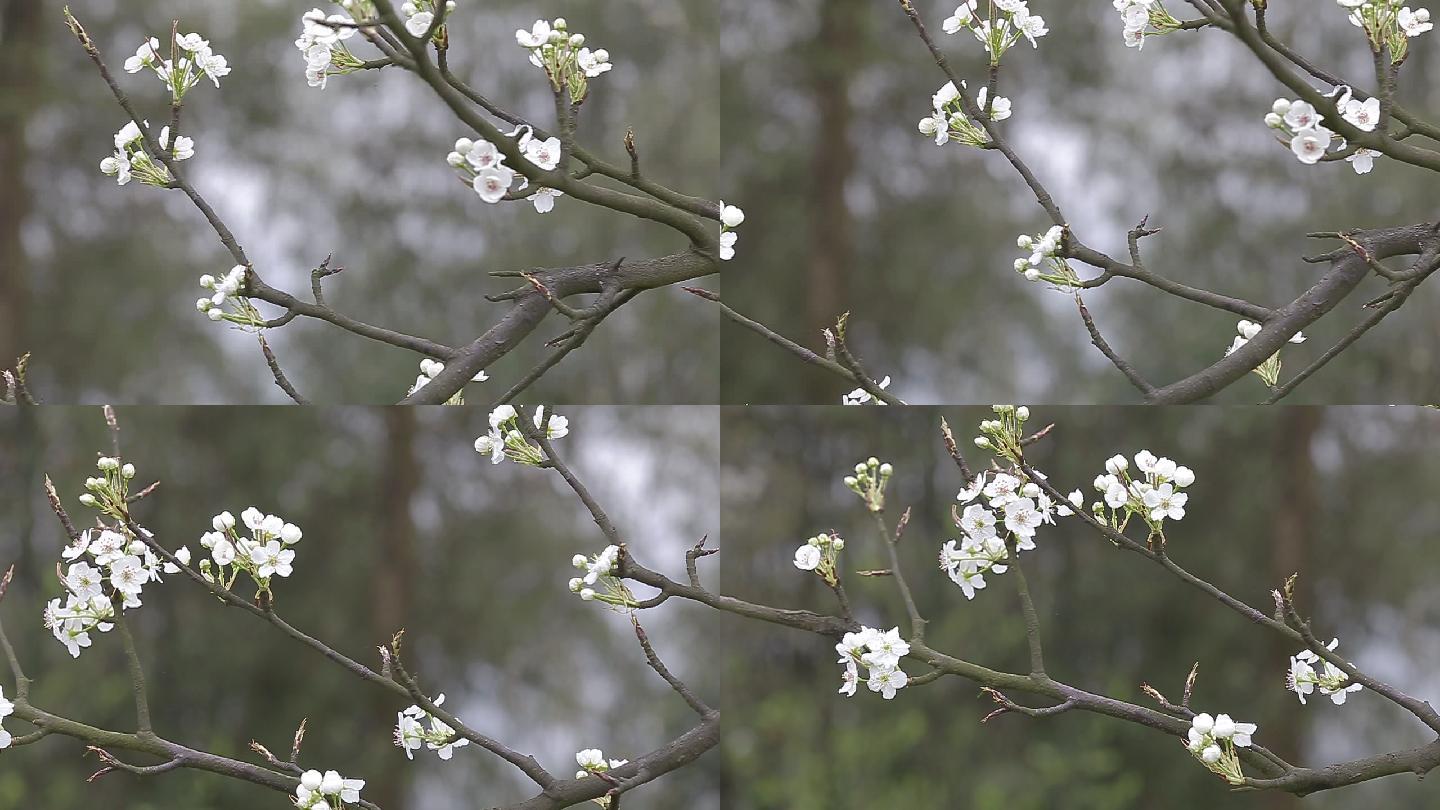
{"type": "Point", "coordinates": [1340, 495]}
{"type": "Point", "coordinates": [850, 208]}
{"type": "Point", "coordinates": [99, 282]}
{"type": "Point", "coordinates": [405, 527]}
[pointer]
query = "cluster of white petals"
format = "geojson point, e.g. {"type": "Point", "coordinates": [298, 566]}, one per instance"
{"type": "Point", "coordinates": [266, 553]}
{"type": "Point", "coordinates": [322, 44]}
{"type": "Point", "coordinates": [1045, 262]}
{"type": "Point", "coordinates": [869, 482]}
{"type": "Point", "coordinates": [819, 554]}
{"type": "Point", "coordinates": [6, 709]}
{"type": "Point", "coordinates": [948, 122]}
{"type": "Point", "coordinates": [420, 15]}
{"type": "Point", "coordinates": [227, 290]}
{"type": "Point", "coordinates": [1013, 509]}
{"type": "Point", "coordinates": [327, 791]}
{"type": "Point", "coordinates": [861, 397]}
{"type": "Point", "coordinates": [430, 369]}
{"type": "Point", "coordinates": [130, 161]}
{"type": "Point", "coordinates": [731, 218]}
{"type": "Point", "coordinates": [593, 761]}
{"type": "Point", "coordinates": [1213, 741]}
{"type": "Point", "coordinates": [599, 581]}
{"type": "Point", "coordinates": [105, 567]}
{"type": "Point", "coordinates": [482, 165]}
{"type": "Point", "coordinates": [506, 441]}
{"type": "Point", "coordinates": [1388, 24]}
{"type": "Point", "coordinates": [181, 64]}
{"type": "Point", "coordinates": [879, 653]}
{"type": "Point", "coordinates": [1003, 25]}
{"type": "Point", "coordinates": [1298, 125]}
{"type": "Point", "coordinates": [1268, 371]}
{"type": "Point", "coordinates": [1144, 18]}
{"type": "Point", "coordinates": [1152, 491]}
{"type": "Point", "coordinates": [1303, 677]}
{"type": "Point", "coordinates": [412, 733]}
{"type": "Point", "coordinates": [564, 56]}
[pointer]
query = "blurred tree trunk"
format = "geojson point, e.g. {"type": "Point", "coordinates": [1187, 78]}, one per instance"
{"type": "Point", "coordinates": [20, 74]}
{"type": "Point", "coordinates": [834, 57]}
{"type": "Point", "coordinates": [390, 588]}
{"type": "Point", "coordinates": [1294, 524]}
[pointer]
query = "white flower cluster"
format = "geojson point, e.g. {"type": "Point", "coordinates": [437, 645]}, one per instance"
{"type": "Point", "coordinates": [482, 166]}
{"type": "Point", "coordinates": [1155, 495]}
{"type": "Point", "coordinates": [430, 369]}
{"type": "Point", "coordinates": [266, 553]}
{"type": "Point", "coordinates": [1269, 371]}
{"type": "Point", "coordinates": [731, 218]}
{"type": "Point", "coordinates": [411, 733]}
{"type": "Point", "coordinates": [226, 289]}
{"type": "Point", "coordinates": [1004, 25]}
{"type": "Point", "coordinates": [948, 121]}
{"type": "Point", "coordinates": [1388, 23]}
{"type": "Point", "coordinates": [563, 56]}
{"type": "Point", "coordinates": [1213, 741]}
{"type": "Point", "coordinates": [1144, 18]}
{"type": "Point", "coordinates": [322, 43]}
{"type": "Point", "coordinates": [600, 571]}
{"type": "Point", "coordinates": [131, 161]}
{"type": "Point", "coordinates": [1303, 678]}
{"type": "Point", "coordinates": [6, 709]}
{"type": "Point", "coordinates": [506, 441]}
{"type": "Point", "coordinates": [879, 652]}
{"type": "Point", "coordinates": [593, 761]}
{"type": "Point", "coordinates": [187, 61]}
{"type": "Point", "coordinates": [327, 791]}
{"type": "Point", "coordinates": [1045, 264]}
{"type": "Point", "coordinates": [1022, 507]}
{"type": "Point", "coordinates": [860, 396]}
{"type": "Point", "coordinates": [1303, 128]}
{"type": "Point", "coordinates": [819, 554]}
{"type": "Point", "coordinates": [123, 566]}
{"type": "Point", "coordinates": [869, 482]}
{"type": "Point", "coordinates": [420, 15]}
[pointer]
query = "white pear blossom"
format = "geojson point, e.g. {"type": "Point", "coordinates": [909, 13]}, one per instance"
{"type": "Point", "coordinates": [229, 289]}
{"type": "Point", "coordinates": [1144, 18]}
{"type": "Point", "coordinates": [601, 570]}
{"type": "Point", "coordinates": [430, 369]}
{"type": "Point", "coordinates": [1007, 22]}
{"type": "Point", "coordinates": [327, 791]}
{"type": "Point", "coordinates": [1213, 740]}
{"type": "Point", "coordinates": [879, 653]}
{"type": "Point", "coordinates": [731, 218]}
{"type": "Point", "coordinates": [266, 553]}
{"type": "Point", "coordinates": [593, 761]}
{"type": "Point", "coordinates": [820, 555]}
{"type": "Point", "coordinates": [860, 396]}
{"type": "Point", "coordinates": [6, 709]}
{"type": "Point", "coordinates": [1268, 371]}
{"type": "Point", "coordinates": [181, 62]}
{"type": "Point", "coordinates": [1303, 677]}
{"type": "Point", "coordinates": [411, 733]}
{"type": "Point", "coordinates": [568, 63]}
{"type": "Point", "coordinates": [1046, 262]}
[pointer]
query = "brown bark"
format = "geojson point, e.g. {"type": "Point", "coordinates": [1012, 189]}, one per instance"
{"type": "Point", "coordinates": [831, 248]}
{"type": "Point", "coordinates": [391, 594]}
{"type": "Point", "coordinates": [1293, 526]}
